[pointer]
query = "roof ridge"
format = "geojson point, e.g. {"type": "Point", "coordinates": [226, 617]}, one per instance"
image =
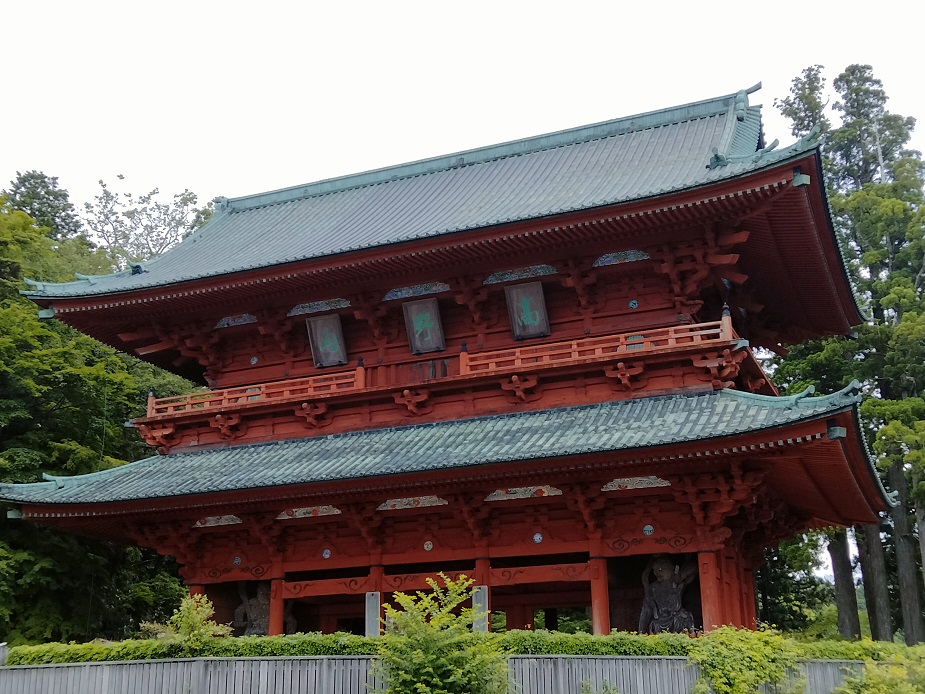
{"type": "Point", "coordinates": [721, 105]}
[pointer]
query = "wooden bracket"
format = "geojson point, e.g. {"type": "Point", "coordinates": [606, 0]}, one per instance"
{"type": "Point", "coordinates": [472, 510]}
{"type": "Point", "coordinates": [281, 329]}
{"type": "Point", "coordinates": [523, 388]}
{"type": "Point", "coordinates": [720, 369]}
{"type": "Point", "coordinates": [413, 400]}
{"type": "Point", "coordinates": [471, 293]}
{"type": "Point", "coordinates": [161, 436]}
{"type": "Point", "coordinates": [230, 426]}
{"type": "Point", "coordinates": [581, 275]}
{"type": "Point", "coordinates": [369, 307]}
{"type": "Point", "coordinates": [626, 376]}
{"type": "Point", "coordinates": [589, 502]}
{"type": "Point", "coordinates": [313, 414]}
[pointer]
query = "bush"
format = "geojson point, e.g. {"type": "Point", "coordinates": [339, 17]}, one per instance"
{"type": "Point", "coordinates": [429, 648]}
{"type": "Point", "coordinates": [899, 675]}
{"type": "Point", "coordinates": [739, 661]}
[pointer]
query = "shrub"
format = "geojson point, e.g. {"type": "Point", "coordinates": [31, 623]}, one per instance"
{"type": "Point", "coordinates": [738, 661]}
{"type": "Point", "coordinates": [899, 675]}
{"type": "Point", "coordinates": [428, 647]}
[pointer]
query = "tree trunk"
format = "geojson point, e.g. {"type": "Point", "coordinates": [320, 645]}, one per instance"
{"type": "Point", "coordinates": [876, 590]}
{"type": "Point", "coordinates": [913, 627]}
{"type": "Point", "coordinates": [919, 516]}
{"type": "Point", "coordinates": [849, 624]}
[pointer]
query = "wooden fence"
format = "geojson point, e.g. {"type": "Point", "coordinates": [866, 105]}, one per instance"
{"type": "Point", "coordinates": [353, 675]}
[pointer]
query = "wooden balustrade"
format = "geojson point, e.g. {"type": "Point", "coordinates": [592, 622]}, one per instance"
{"type": "Point", "coordinates": [637, 344]}
{"type": "Point", "coordinates": [264, 392]}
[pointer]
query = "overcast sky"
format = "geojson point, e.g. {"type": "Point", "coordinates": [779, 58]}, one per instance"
{"type": "Point", "coordinates": [231, 98]}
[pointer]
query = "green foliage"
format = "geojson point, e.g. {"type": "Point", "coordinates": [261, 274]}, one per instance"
{"type": "Point", "coordinates": [617, 643]}
{"type": "Point", "coordinates": [40, 197]}
{"type": "Point", "coordinates": [64, 399]}
{"type": "Point", "coordinates": [903, 674]}
{"type": "Point", "coordinates": [738, 661]}
{"type": "Point", "coordinates": [429, 648]}
{"type": "Point", "coordinates": [190, 623]}
{"type": "Point", "coordinates": [791, 596]}
{"type": "Point", "coordinates": [606, 688]}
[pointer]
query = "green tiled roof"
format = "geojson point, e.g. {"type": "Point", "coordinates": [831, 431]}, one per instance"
{"type": "Point", "coordinates": [613, 426]}
{"type": "Point", "coordinates": [606, 163]}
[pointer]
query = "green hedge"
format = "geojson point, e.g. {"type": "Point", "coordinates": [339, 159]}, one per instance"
{"type": "Point", "coordinates": [511, 643]}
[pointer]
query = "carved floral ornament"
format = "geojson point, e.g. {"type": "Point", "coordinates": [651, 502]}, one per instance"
{"type": "Point", "coordinates": [215, 521]}
{"type": "Point", "coordinates": [626, 483]}
{"type": "Point", "coordinates": [308, 512]}
{"type": "Point", "coordinates": [411, 502]}
{"type": "Point", "coordinates": [523, 493]}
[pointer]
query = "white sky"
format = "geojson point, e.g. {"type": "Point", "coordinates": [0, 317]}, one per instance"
{"type": "Point", "coordinates": [236, 98]}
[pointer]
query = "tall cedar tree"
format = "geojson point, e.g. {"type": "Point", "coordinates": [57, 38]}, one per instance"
{"type": "Point", "coordinates": [875, 189]}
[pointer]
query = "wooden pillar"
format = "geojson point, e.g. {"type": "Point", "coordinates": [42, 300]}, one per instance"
{"type": "Point", "coordinates": [277, 608]}
{"type": "Point", "coordinates": [600, 596]}
{"type": "Point", "coordinates": [197, 590]}
{"type": "Point", "coordinates": [328, 623]}
{"type": "Point", "coordinates": [750, 606]}
{"type": "Point", "coordinates": [711, 599]}
{"type": "Point", "coordinates": [516, 617]}
{"type": "Point", "coordinates": [551, 618]}
{"type": "Point", "coordinates": [730, 587]}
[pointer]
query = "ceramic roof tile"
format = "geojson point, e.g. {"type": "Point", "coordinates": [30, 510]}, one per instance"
{"type": "Point", "coordinates": [611, 426]}
{"type": "Point", "coordinates": [591, 166]}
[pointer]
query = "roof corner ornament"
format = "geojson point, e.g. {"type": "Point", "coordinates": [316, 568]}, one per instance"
{"type": "Point", "coordinates": [740, 105]}
{"type": "Point", "coordinates": [809, 140]}
{"type": "Point", "coordinates": [717, 160]}
{"type": "Point", "coordinates": [35, 284]}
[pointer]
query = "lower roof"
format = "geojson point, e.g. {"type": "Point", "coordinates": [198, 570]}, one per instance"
{"type": "Point", "coordinates": [606, 427]}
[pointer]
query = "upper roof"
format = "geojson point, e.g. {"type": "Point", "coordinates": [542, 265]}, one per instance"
{"type": "Point", "coordinates": [612, 426]}
{"type": "Point", "coordinates": [633, 158]}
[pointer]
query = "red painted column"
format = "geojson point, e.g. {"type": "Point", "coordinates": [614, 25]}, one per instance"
{"type": "Point", "coordinates": [277, 608]}
{"type": "Point", "coordinates": [600, 596]}
{"type": "Point", "coordinates": [516, 617]}
{"type": "Point", "coordinates": [197, 590]}
{"type": "Point", "coordinates": [731, 587]}
{"type": "Point", "coordinates": [711, 599]}
{"type": "Point", "coordinates": [748, 588]}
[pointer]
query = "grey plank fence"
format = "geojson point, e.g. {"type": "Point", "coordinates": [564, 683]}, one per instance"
{"type": "Point", "coordinates": [353, 675]}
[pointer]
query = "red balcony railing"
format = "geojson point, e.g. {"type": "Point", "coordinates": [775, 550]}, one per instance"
{"type": "Point", "coordinates": [501, 361]}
